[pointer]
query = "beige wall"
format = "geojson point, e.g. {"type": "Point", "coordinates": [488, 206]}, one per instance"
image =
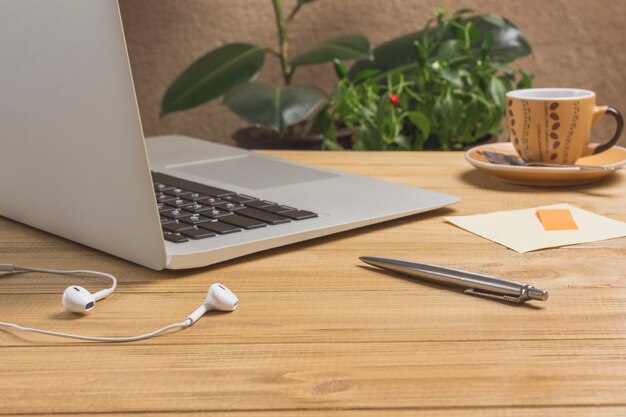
{"type": "Point", "coordinates": [580, 43]}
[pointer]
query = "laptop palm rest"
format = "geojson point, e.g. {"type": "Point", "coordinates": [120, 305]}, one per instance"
{"type": "Point", "coordinates": [254, 172]}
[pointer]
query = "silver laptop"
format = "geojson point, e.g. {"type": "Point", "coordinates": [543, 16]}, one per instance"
{"type": "Point", "coordinates": [73, 160]}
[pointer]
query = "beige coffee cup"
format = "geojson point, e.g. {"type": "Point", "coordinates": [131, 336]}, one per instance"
{"type": "Point", "coordinates": [554, 124]}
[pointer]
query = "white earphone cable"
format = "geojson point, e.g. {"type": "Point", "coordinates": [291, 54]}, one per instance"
{"type": "Point", "coordinates": [182, 324]}
{"type": "Point", "coordinates": [16, 268]}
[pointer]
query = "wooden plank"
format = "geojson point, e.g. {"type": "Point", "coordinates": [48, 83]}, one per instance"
{"type": "Point", "coordinates": [583, 411]}
{"type": "Point", "coordinates": [251, 376]}
{"type": "Point", "coordinates": [430, 412]}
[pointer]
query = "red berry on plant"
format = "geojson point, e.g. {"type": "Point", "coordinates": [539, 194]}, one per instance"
{"type": "Point", "coordinates": [394, 99]}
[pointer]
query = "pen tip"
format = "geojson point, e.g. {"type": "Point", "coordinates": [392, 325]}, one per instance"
{"type": "Point", "coordinates": [367, 259]}
{"type": "Point", "coordinates": [373, 260]}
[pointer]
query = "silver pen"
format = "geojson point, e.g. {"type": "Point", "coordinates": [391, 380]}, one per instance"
{"type": "Point", "coordinates": [474, 283]}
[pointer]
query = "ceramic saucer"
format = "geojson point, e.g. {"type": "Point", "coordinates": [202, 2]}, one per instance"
{"type": "Point", "coordinates": [542, 176]}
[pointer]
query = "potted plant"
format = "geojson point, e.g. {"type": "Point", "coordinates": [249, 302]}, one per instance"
{"type": "Point", "coordinates": [440, 88]}
{"type": "Point", "coordinates": [277, 112]}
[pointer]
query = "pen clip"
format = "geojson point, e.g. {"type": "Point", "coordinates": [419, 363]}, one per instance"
{"type": "Point", "coordinates": [521, 299]}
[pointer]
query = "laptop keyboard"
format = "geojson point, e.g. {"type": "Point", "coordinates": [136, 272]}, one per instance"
{"type": "Point", "coordinates": [192, 211]}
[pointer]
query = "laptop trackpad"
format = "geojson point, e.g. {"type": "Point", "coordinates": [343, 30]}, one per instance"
{"type": "Point", "coordinates": [254, 172]}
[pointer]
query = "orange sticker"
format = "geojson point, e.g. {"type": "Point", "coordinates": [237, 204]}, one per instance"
{"type": "Point", "coordinates": [556, 219]}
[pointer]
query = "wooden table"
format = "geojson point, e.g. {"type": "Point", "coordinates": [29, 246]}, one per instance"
{"type": "Point", "coordinates": [317, 334]}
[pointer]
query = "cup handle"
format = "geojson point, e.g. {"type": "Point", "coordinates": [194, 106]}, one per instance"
{"type": "Point", "coordinates": [611, 111]}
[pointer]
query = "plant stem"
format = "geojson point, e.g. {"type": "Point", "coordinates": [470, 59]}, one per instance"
{"type": "Point", "coordinates": [283, 44]}
{"type": "Point", "coordinates": [294, 11]}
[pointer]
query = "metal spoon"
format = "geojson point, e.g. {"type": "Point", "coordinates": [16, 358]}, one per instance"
{"type": "Point", "coordinates": [504, 159]}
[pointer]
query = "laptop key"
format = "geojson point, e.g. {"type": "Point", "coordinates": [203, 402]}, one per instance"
{"type": "Point", "coordinates": [259, 203]}
{"type": "Point", "coordinates": [243, 222]}
{"type": "Point", "coordinates": [160, 187]}
{"type": "Point", "coordinates": [175, 237]}
{"type": "Point", "coordinates": [178, 202]}
{"type": "Point", "coordinates": [227, 205]}
{"type": "Point", "coordinates": [240, 198]}
{"type": "Point", "coordinates": [300, 214]}
{"type": "Point", "coordinates": [264, 216]}
{"type": "Point", "coordinates": [165, 220]}
{"type": "Point", "coordinates": [194, 219]}
{"type": "Point", "coordinates": [196, 233]}
{"type": "Point", "coordinates": [175, 213]}
{"type": "Point", "coordinates": [219, 227]}
{"type": "Point", "coordinates": [278, 209]}
{"type": "Point", "coordinates": [197, 207]}
{"type": "Point", "coordinates": [209, 201]}
{"type": "Point", "coordinates": [196, 196]}
{"type": "Point", "coordinates": [216, 213]}
{"type": "Point", "coordinates": [177, 192]}
{"type": "Point", "coordinates": [176, 226]}
{"type": "Point", "coordinates": [164, 198]}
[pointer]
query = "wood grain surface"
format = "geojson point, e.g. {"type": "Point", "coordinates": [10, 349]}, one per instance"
{"type": "Point", "coordinates": [319, 334]}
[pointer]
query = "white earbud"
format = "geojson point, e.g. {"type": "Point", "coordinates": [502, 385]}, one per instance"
{"type": "Point", "coordinates": [218, 298]}
{"type": "Point", "coordinates": [77, 299]}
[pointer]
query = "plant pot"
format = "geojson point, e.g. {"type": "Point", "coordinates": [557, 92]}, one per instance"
{"type": "Point", "coordinates": [433, 144]}
{"type": "Point", "coordinates": [263, 138]}
{"type": "Point", "coordinates": [481, 141]}
{"type": "Point", "coordinates": [345, 138]}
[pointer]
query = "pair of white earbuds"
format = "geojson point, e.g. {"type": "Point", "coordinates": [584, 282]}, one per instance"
{"type": "Point", "coordinates": [77, 299]}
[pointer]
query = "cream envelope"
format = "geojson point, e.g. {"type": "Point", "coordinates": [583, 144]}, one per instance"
{"type": "Point", "coordinates": [522, 231]}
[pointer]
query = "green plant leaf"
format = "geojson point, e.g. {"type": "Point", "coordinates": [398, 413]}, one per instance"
{"type": "Point", "coordinates": [269, 106]}
{"type": "Point", "coordinates": [485, 46]}
{"type": "Point", "coordinates": [340, 69]}
{"type": "Point", "coordinates": [507, 43]}
{"type": "Point", "coordinates": [527, 79]}
{"type": "Point", "coordinates": [343, 47]}
{"type": "Point", "coordinates": [403, 143]}
{"type": "Point", "coordinates": [421, 121]}
{"type": "Point", "coordinates": [474, 113]}
{"type": "Point", "coordinates": [500, 67]}
{"type": "Point", "coordinates": [495, 19]}
{"type": "Point", "coordinates": [213, 75]}
{"type": "Point", "coordinates": [367, 139]}
{"type": "Point", "coordinates": [421, 51]}
{"type": "Point", "coordinates": [447, 116]}
{"type": "Point", "coordinates": [450, 108]}
{"type": "Point", "coordinates": [497, 90]}
{"type": "Point", "coordinates": [366, 74]}
{"type": "Point", "coordinates": [450, 50]}
{"type": "Point", "coordinates": [329, 145]}
{"type": "Point", "coordinates": [469, 35]}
